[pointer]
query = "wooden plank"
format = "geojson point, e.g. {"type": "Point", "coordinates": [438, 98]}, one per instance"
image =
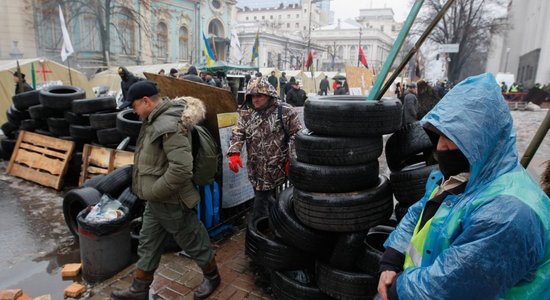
{"type": "Point", "coordinates": [35, 176]}
{"type": "Point", "coordinates": [96, 170]}
{"type": "Point", "coordinates": [84, 166]}
{"type": "Point", "coordinates": [39, 162]}
{"type": "Point", "coordinates": [123, 158]}
{"type": "Point", "coordinates": [43, 150]}
{"type": "Point", "coordinates": [100, 156]}
{"type": "Point", "coordinates": [216, 100]}
{"type": "Point", "coordinates": [41, 159]}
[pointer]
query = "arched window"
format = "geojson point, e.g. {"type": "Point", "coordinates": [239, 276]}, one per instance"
{"type": "Point", "coordinates": [162, 40]}
{"type": "Point", "coordinates": [183, 45]}
{"type": "Point", "coordinates": [127, 32]}
{"type": "Point", "coordinates": [340, 52]}
{"type": "Point", "coordinates": [216, 28]}
{"type": "Point", "coordinates": [353, 54]}
{"type": "Point", "coordinates": [49, 25]}
{"type": "Point", "coordinates": [89, 33]}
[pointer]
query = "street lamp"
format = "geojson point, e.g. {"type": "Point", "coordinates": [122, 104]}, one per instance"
{"type": "Point", "coordinates": [309, 34]}
{"type": "Point", "coordinates": [506, 63]}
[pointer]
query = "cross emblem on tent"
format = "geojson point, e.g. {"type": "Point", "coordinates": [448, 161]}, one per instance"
{"type": "Point", "coordinates": [43, 71]}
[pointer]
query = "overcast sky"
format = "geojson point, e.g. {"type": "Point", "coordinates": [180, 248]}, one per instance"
{"type": "Point", "coordinates": [345, 9]}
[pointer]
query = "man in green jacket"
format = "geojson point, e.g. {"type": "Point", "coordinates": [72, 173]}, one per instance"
{"type": "Point", "coordinates": [163, 169]}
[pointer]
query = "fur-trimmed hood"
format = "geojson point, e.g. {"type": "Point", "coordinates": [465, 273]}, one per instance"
{"type": "Point", "coordinates": [194, 110]}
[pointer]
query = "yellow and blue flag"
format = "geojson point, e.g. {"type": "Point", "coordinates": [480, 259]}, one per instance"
{"type": "Point", "coordinates": [255, 48]}
{"type": "Point", "coordinates": [210, 57]}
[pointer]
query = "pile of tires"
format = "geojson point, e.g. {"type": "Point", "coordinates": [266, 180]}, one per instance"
{"type": "Point", "coordinates": [409, 154]}
{"type": "Point", "coordinates": [317, 228]}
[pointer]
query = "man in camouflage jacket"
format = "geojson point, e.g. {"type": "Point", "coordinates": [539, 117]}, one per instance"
{"type": "Point", "coordinates": [268, 146]}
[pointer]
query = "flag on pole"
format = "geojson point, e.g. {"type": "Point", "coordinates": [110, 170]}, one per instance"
{"type": "Point", "coordinates": [236, 52]}
{"type": "Point", "coordinates": [67, 48]}
{"type": "Point", "coordinates": [33, 76]}
{"type": "Point", "coordinates": [210, 57]}
{"type": "Point", "coordinates": [309, 60]}
{"type": "Point", "coordinates": [363, 58]}
{"type": "Point", "coordinates": [255, 48]}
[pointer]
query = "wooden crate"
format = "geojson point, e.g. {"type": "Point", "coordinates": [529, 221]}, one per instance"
{"type": "Point", "coordinates": [98, 160]}
{"type": "Point", "coordinates": [41, 159]}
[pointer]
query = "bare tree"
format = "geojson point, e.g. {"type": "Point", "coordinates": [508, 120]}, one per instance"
{"type": "Point", "coordinates": [107, 17]}
{"type": "Point", "coordinates": [469, 23]}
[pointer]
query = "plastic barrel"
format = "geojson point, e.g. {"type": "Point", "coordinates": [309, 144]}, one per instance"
{"type": "Point", "coordinates": [104, 256]}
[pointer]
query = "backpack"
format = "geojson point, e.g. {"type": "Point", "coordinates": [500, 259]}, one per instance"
{"type": "Point", "coordinates": [206, 156]}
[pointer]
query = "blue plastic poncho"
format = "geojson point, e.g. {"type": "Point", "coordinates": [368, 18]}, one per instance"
{"type": "Point", "coordinates": [492, 241]}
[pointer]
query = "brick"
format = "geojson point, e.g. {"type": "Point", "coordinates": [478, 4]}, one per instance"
{"type": "Point", "coordinates": [43, 297]}
{"type": "Point", "coordinates": [194, 280]}
{"type": "Point", "coordinates": [239, 295]}
{"type": "Point", "coordinates": [71, 270]}
{"type": "Point", "coordinates": [74, 290]}
{"type": "Point", "coordinates": [159, 283]}
{"type": "Point", "coordinates": [169, 294]}
{"type": "Point", "coordinates": [24, 297]}
{"type": "Point", "coordinates": [10, 294]}
{"type": "Point", "coordinates": [244, 284]}
{"type": "Point", "coordinates": [227, 292]}
{"type": "Point", "coordinates": [179, 288]}
{"type": "Point", "coordinates": [228, 275]}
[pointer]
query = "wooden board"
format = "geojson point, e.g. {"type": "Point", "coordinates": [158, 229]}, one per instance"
{"type": "Point", "coordinates": [41, 159]}
{"type": "Point", "coordinates": [98, 160]}
{"type": "Point", "coordinates": [215, 99]}
{"type": "Point", "coordinates": [359, 78]}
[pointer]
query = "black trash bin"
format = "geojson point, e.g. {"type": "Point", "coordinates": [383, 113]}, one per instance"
{"type": "Point", "coordinates": [105, 248]}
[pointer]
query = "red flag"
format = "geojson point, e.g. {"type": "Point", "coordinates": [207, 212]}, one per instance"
{"type": "Point", "coordinates": [309, 60]}
{"type": "Point", "coordinates": [363, 58]}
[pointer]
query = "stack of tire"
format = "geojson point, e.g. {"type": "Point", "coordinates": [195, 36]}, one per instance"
{"type": "Point", "coordinates": [128, 124]}
{"type": "Point", "coordinates": [19, 118]}
{"type": "Point", "coordinates": [409, 154]}
{"type": "Point", "coordinates": [319, 227]}
{"type": "Point", "coordinates": [93, 121]}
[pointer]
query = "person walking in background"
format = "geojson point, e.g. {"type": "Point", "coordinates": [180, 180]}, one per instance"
{"type": "Point", "coordinates": [282, 86]}
{"type": "Point", "coordinates": [268, 127]}
{"type": "Point", "coordinates": [296, 96]}
{"type": "Point", "coordinates": [174, 73]}
{"type": "Point", "coordinates": [127, 80]}
{"type": "Point", "coordinates": [410, 105]}
{"type": "Point", "coordinates": [340, 90]}
{"type": "Point", "coordinates": [162, 176]}
{"type": "Point", "coordinates": [273, 80]}
{"type": "Point", "coordinates": [21, 85]}
{"type": "Point", "coordinates": [324, 86]}
{"type": "Point", "coordinates": [192, 75]}
{"type": "Point", "coordinates": [399, 91]}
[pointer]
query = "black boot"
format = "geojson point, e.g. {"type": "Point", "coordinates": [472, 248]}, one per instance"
{"type": "Point", "coordinates": [209, 283]}
{"type": "Point", "coordinates": [139, 290]}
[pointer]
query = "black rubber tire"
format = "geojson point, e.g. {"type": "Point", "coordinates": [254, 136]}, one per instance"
{"type": "Point", "coordinates": [336, 151]}
{"type": "Point", "coordinates": [92, 105]}
{"type": "Point", "coordinates": [94, 181]}
{"type": "Point", "coordinates": [81, 132]}
{"type": "Point", "coordinates": [131, 200]}
{"type": "Point", "coordinates": [59, 131]}
{"type": "Point", "coordinates": [109, 136]}
{"type": "Point", "coordinates": [9, 129]}
{"type": "Point", "coordinates": [74, 202]}
{"type": "Point", "coordinates": [286, 288]}
{"type": "Point", "coordinates": [40, 112]}
{"type": "Point", "coordinates": [117, 181]}
{"type": "Point", "coordinates": [17, 115]}
{"type": "Point", "coordinates": [271, 252]}
{"type": "Point", "coordinates": [345, 285]}
{"type": "Point", "coordinates": [347, 249]}
{"type": "Point", "coordinates": [103, 120]}
{"type": "Point", "coordinates": [409, 184]}
{"type": "Point", "coordinates": [345, 212]}
{"type": "Point", "coordinates": [369, 259]}
{"type": "Point", "coordinates": [400, 211]}
{"type": "Point", "coordinates": [128, 123]}
{"type": "Point", "coordinates": [44, 132]}
{"type": "Point", "coordinates": [352, 117]}
{"type": "Point", "coordinates": [404, 145]}
{"type": "Point", "coordinates": [31, 124]}
{"type": "Point", "coordinates": [60, 97]}
{"type": "Point", "coordinates": [7, 148]}
{"type": "Point", "coordinates": [25, 100]}
{"type": "Point", "coordinates": [76, 119]}
{"type": "Point", "coordinates": [57, 122]}
{"type": "Point", "coordinates": [333, 179]}
{"type": "Point", "coordinates": [289, 229]}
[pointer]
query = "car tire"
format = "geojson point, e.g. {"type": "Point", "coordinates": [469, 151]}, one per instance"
{"type": "Point", "coordinates": [369, 260]}
{"type": "Point", "coordinates": [81, 132]}
{"type": "Point", "coordinates": [117, 181]}
{"type": "Point", "coordinates": [345, 285]}
{"type": "Point", "coordinates": [75, 201]}
{"type": "Point", "coordinates": [409, 184]}
{"type": "Point", "coordinates": [25, 100]}
{"type": "Point", "coordinates": [403, 147]}
{"type": "Point", "coordinates": [103, 120]}
{"type": "Point", "coordinates": [287, 288]}
{"type": "Point", "coordinates": [77, 119]}
{"type": "Point", "coordinates": [109, 136]}
{"type": "Point", "coordinates": [92, 105]}
{"type": "Point", "coordinates": [60, 97]}
{"type": "Point", "coordinates": [128, 123]}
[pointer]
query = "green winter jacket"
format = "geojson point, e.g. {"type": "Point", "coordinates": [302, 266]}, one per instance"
{"type": "Point", "coordinates": [163, 161]}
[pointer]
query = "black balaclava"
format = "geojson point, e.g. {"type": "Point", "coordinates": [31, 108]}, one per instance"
{"type": "Point", "coordinates": [123, 73]}
{"type": "Point", "coordinates": [452, 162]}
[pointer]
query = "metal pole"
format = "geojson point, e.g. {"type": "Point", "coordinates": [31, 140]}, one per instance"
{"type": "Point", "coordinates": [395, 49]}
{"type": "Point", "coordinates": [69, 66]}
{"type": "Point", "coordinates": [20, 76]}
{"type": "Point", "coordinates": [359, 58]}
{"type": "Point", "coordinates": [536, 141]}
{"type": "Point", "coordinates": [411, 53]}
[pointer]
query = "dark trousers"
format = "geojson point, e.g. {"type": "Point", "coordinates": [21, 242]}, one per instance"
{"type": "Point", "coordinates": [262, 203]}
{"type": "Point", "coordinates": [324, 92]}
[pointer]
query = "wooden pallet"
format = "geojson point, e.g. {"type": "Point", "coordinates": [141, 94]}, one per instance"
{"type": "Point", "coordinates": [100, 160]}
{"type": "Point", "coordinates": [41, 159]}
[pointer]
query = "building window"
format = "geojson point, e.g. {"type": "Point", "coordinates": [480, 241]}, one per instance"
{"type": "Point", "coordinates": [288, 16]}
{"type": "Point", "coordinates": [255, 18]}
{"type": "Point", "coordinates": [263, 17]}
{"type": "Point", "coordinates": [247, 18]}
{"type": "Point", "coordinates": [280, 17]}
{"type": "Point", "coordinates": [162, 40]}
{"type": "Point", "coordinates": [305, 10]}
{"type": "Point", "coordinates": [89, 36]}
{"type": "Point", "coordinates": [183, 46]}
{"type": "Point", "coordinates": [305, 28]}
{"type": "Point", "coordinates": [297, 16]}
{"type": "Point", "coordinates": [50, 26]}
{"type": "Point", "coordinates": [287, 25]}
{"type": "Point", "coordinates": [216, 28]}
{"type": "Point", "coordinates": [216, 4]}
{"type": "Point", "coordinates": [353, 54]}
{"type": "Point", "coordinates": [127, 32]}
{"type": "Point", "coordinates": [271, 17]}
{"type": "Point", "coordinates": [382, 28]}
{"type": "Point", "coordinates": [297, 25]}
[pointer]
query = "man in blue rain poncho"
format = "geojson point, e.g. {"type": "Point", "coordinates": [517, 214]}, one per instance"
{"type": "Point", "coordinates": [481, 231]}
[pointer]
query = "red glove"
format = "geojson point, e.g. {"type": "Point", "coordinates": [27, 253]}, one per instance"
{"type": "Point", "coordinates": [287, 167]}
{"type": "Point", "coordinates": [235, 162]}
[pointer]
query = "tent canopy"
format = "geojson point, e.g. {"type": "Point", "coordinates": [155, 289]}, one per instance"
{"type": "Point", "coordinates": [222, 66]}
{"type": "Point", "coordinates": [45, 71]}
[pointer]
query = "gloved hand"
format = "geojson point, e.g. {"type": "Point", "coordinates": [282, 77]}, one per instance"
{"type": "Point", "coordinates": [287, 167]}
{"type": "Point", "coordinates": [235, 162]}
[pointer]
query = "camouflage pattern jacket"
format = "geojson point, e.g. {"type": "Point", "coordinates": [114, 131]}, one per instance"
{"type": "Point", "coordinates": [264, 136]}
